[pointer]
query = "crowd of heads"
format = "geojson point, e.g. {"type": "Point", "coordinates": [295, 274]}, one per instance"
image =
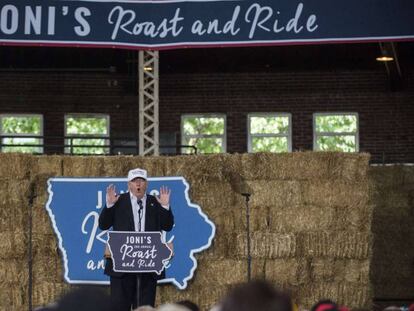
{"type": "Point", "coordinates": [251, 296]}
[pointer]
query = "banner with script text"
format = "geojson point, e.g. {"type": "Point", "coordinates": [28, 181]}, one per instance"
{"type": "Point", "coordinates": [168, 24]}
{"type": "Point", "coordinates": [74, 206]}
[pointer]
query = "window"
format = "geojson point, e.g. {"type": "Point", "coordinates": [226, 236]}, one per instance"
{"type": "Point", "coordinates": [21, 133]}
{"type": "Point", "coordinates": [206, 132]}
{"type": "Point", "coordinates": [86, 134]}
{"type": "Point", "coordinates": [335, 132]}
{"type": "Point", "coordinates": [269, 132]}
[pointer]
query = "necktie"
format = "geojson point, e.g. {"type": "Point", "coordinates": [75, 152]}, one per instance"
{"type": "Point", "coordinates": [140, 208]}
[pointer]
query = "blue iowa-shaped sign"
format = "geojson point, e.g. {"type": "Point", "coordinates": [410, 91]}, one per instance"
{"type": "Point", "coordinates": [74, 206]}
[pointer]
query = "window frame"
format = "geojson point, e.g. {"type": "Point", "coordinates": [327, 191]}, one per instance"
{"type": "Point", "coordinates": [23, 115]}
{"type": "Point", "coordinates": [268, 114]}
{"type": "Point", "coordinates": [87, 136]}
{"type": "Point", "coordinates": [317, 134]}
{"type": "Point", "coordinates": [206, 115]}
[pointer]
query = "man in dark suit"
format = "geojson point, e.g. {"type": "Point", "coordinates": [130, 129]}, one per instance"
{"type": "Point", "coordinates": [134, 211]}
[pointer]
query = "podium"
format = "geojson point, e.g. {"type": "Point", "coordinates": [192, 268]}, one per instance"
{"type": "Point", "coordinates": [138, 252]}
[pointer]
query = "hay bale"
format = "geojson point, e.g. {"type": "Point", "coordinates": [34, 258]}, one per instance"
{"type": "Point", "coordinates": [41, 189]}
{"type": "Point", "coordinates": [13, 244]}
{"type": "Point", "coordinates": [282, 245]}
{"type": "Point", "coordinates": [15, 166]}
{"type": "Point", "coordinates": [218, 167]}
{"type": "Point", "coordinates": [305, 166]}
{"type": "Point", "coordinates": [356, 218]}
{"type": "Point", "coordinates": [13, 271]}
{"type": "Point", "coordinates": [260, 219]}
{"type": "Point", "coordinates": [205, 194]}
{"type": "Point", "coordinates": [278, 193]}
{"type": "Point", "coordinates": [212, 272]}
{"type": "Point", "coordinates": [336, 193]}
{"type": "Point", "coordinates": [287, 271]}
{"type": "Point", "coordinates": [47, 268]}
{"type": "Point", "coordinates": [340, 270]}
{"type": "Point", "coordinates": [15, 192]}
{"type": "Point", "coordinates": [48, 292]}
{"type": "Point", "coordinates": [12, 217]}
{"type": "Point", "coordinates": [223, 246]}
{"type": "Point", "coordinates": [13, 297]}
{"type": "Point", "coordinates": [49, 165]}
{"type": "Point", "coordinates": [45, 245]}
{"type": "Point", "coordinates": [338, 244]}
{"type": "Point", "coordinates": [347, 294]}
{"type": "Point", "coordinates": [266, 245]}
{"type": "Point", "coordinates": [83, 166]}
{"type": "Point", "coordinates": [302, 218]}
{"type": "Point", "coordinates": [41, 221]}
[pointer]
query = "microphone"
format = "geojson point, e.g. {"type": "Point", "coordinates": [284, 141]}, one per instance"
{"type": "Point", "coordinates": [246, 195]}
{"type": "Point", "coordinates": [140, 208]}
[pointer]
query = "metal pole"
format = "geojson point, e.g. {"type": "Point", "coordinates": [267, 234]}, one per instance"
{"type": "Point", "coordinates": [32, 195]}
{"type": "Point", "coordinates": [249, 257]}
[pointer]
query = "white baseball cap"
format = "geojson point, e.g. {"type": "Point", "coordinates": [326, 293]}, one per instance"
{"type": "Point", "coordinates": [137, 173]}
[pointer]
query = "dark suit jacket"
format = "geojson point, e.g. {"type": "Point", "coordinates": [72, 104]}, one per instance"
{"type": "Point", "coordinates": [120, 218]}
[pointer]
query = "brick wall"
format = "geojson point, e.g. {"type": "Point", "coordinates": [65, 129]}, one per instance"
{"type": "Point", "coordinates": [386, 118]}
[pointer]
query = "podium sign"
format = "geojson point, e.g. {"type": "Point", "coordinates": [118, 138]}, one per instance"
{"type": "Point", "coordinates": [138, 251]}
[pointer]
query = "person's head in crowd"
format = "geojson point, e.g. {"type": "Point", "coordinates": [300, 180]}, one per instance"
{"type": "Point", "coordinates": [257, 296]}
{"type": "Point", "coordinates": [189, 304]}
{"type": "Point", "coordinates": [172, 307]}
{"type": "Point", "coordinates": [216, 307]}
{"type": "Point", "coordinates": [327, 305]}
{"type": "Point", "coordinates": [85, 299]}
{"type": "Point", "coordinates": [145, 308]}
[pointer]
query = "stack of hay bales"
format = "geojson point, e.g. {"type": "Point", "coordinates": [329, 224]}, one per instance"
{"type": "Point", "coordinates": [14, 211]}
{"type": "Point", "coordinates": [310, 223]}
{"type": "Point", "coordinates": [393, 251]}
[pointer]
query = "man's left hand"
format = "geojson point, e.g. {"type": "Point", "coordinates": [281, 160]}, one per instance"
{"type": "Point", "coordinates": [164, 198]}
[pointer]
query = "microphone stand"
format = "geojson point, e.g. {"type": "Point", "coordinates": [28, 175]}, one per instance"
{"type": "Point", "coordinates": [249, 257]}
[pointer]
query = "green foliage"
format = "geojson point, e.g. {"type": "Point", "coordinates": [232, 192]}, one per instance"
{"type": "Point", "coordinates": [269, 125]}
{"type": "Point", "coordinates": [262, 129]}
{"type": "Point", "coordinates": [206, 133]}
{"type": "Point", "coordinates": [344, 124]}
{"type": "Point", "coordinates": [21, 125]}
{"type": "Point", "coordinates": [344, 143]}
{"type": "Point", "coordinates": [76, 143]}
{"type": "Point", "coordinates": [336, 124]}
{"type": "Point", "coordinates": [203, 126]}
{"type": "Point", "coordinates": [87, 126]}
{"type": "Point", "coordinates": [270, 144]}
{"type": "Point", "coordinates": [204, 145]}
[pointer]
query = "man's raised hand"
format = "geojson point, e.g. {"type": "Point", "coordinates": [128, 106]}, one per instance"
{"type": "Point", "coordinates": [111, 196]}
{"type": "Point", "coordinates": [164, 198]}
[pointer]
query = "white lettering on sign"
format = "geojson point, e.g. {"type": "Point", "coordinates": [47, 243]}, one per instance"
{"type": "Point", "coordinates": [124, 21]}
{"type": "Point", "coordinates": [128, 251]}
{"type": "Point", "coordinates": [84, 29]}
{"type": "Point", "coordinates": [92, 265]}
{"type": "Point", "coordinates": [31, 19]}
{"type": "Point", "coordinates": [213, 27]}
{"type": "Point", "coordinates": [260, 18]}
{"type": "Point", "coordinates": [9, 19]}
